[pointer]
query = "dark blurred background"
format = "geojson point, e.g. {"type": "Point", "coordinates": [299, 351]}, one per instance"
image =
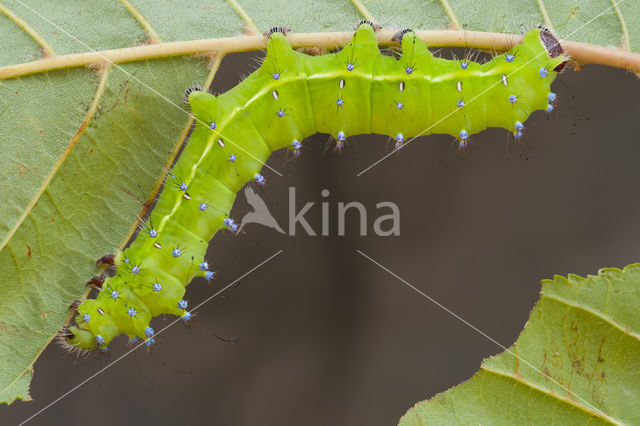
{"type": "Point", "coordinates": [325, 337]}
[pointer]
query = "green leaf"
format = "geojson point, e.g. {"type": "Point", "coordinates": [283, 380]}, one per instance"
{"type": "Point", "coordinates": [576, 361]}
{"type": "Point", "coordinates": [84, 142]}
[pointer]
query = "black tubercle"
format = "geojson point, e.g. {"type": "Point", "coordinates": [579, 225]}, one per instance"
{"type": "Point", "coordinates": [552, 45]}
{"type": "Point", "coordinates": [375, 26]}
{"type": "Point", "coordinates": [273, 30]}
{"type": "Point", "coordinates": [196, 88]}
{"type": "Point", "coordinates": [398, 36]}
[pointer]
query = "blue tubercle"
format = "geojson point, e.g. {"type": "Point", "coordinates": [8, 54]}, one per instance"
{"type": "Point", "coordinates": [186, 317]}
{"type": "Point", "coordinates": [157, 287]}
{"type": "Point", "coordinates": [153, 233]}
{"type": "Point", "coordinates": [552, 97]}
{"type": "Point", "coordinates": [341, 136]}
{"type": "Point", "coordinates": [99, 340]}
{"type": "Point", "coordinates": [460, 103]}
{"type": "Point", "coordinates": [260, 180]}
{"type": "Point", "coordinates": [115, 294]}
{"type": "Point", "coordinates": [513, 99]}
{"type": "Point", "coordinates": [408, 70]}
{"type": "Point", "coordinates": [509, 57]}
{"type": "Point", "coordinates": [296, 144]}
{"type": "Point", "coordinates": [204, 265]}
{"type": "Point", "coordinates": [549, 108]}
{"type": "Point", "coordinates": [464, 135]}
{"type": "Point", "coordinates": [135, 270]}
{"type": "Point", "coordinates": [464, 65]}
{"type": "Point", "coordinates": [544, 72]}
{"type": "Point", "coordinates": [132, 312]}
{"type": "Point", "coordinates": [229, 223]}
{"type": "Point", "coordinates": [183, 187]}
{"type": "Point", "coordinates": [202, 206]}
{"type": "Point", "coordinates": [350, 67]}
{"type": "Point", "coordinates": [339, 102]}
{"type": "Point", "coordinates": [518, 126]}
{"type": "Point", "coordinates": [233, 158]}
{"type": "Point", "coordinates": [280, 113]}
{"type": "Point", "coordinates": [86, 317]}
{"type": "Point", "coordinates": [213, 125]}
{"type": "Point", "coordinates": [176, 252]}
{"type": "Point", "coordinates": [276, 75]}
{"type": "Point", "coordinates": [149, 332]}
{"type": "Point", "coordinates": [182, 304]}
{"type": "Point", "coordinates": [399, 105]}
{"type": "Point", "coordinates": [150, 342]}
{"type": "Point", "coordinates": [208, 275]}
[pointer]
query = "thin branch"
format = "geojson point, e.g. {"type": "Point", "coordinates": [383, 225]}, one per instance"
{"type": "Point", "coordinates": [580, 52]}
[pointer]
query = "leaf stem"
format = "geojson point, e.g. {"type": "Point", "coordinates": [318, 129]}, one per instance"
{"type": "Point", "coordinates": [582, 53]}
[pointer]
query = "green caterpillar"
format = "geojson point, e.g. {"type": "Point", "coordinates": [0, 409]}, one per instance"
{"type": "Point", "coordinates": [291, 96]}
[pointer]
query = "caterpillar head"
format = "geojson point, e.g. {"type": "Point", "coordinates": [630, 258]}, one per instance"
{"type": "Point", "coordinates": [545, 44]}
{"type": "Point", "coordinates": [553, 47]}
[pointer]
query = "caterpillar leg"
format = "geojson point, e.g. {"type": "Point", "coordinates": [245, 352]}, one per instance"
{"type": "Point", "coordinates": [95, 281]}
{"type": "Point", "coordinates": [107, 259]}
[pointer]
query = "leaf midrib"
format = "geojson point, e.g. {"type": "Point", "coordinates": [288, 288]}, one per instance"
{"type": "Point", "coordinates": [545, 391]}
{"type": "Point", "coordinates": [581, 52]}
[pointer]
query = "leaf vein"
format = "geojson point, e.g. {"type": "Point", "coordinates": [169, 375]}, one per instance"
{"type": "Point", "coordinates": [153, 35]}
{"type": "Point", "coordinates": [363, 10]}
{"type": "Point", "coordinates": [251, 26]}
{"type": "Point", "coordinates": [46, 47]}
{"type": "Point", "coordinates": [602, 316]}
{"type": "Point", "coordinates": [545, 15]}
{"type": "Point", "coordinates": [535, 387]}
{"type": "Point", "coordinates": [52, 173]}
{"type": "Point", "coordinates": [626, 44]}
{"type": "Point", "coordinates": [455, 23]}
